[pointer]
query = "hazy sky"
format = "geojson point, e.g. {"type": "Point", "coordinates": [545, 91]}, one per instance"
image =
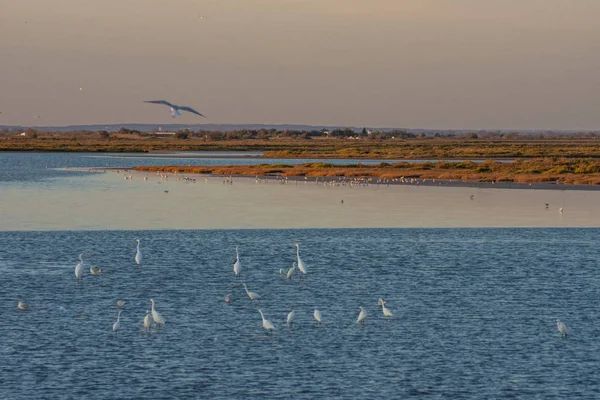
{"type": "Point", "coordinates": [380, 63]}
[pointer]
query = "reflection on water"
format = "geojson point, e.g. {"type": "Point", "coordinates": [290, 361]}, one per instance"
{"type": "Point", "coordinates": [108, 201]}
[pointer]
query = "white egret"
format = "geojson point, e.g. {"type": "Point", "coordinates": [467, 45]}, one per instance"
{"type": "Point", "coordinates": [22, 306]}
{"type": "Point", "coordinates": [290, 318]}
{"type": "Point", "coordinates": [138, 254]}
{"type": "Point", "coordinates": [175, 108]}
{"type": "Point", "coordinates": [362, 315]}
{"type": "Point", "coordinates": [290, 272]}
{"type": "Point", "coordinates": [95, 270]}
{"type": "Point", "coordinates": [79, 268]}
{"type": "Point", "coordinates": [317, 315]}
{"type": "Point", "coordinates": [266, 324]}
{"type": "Point", "coordinates": [562, 328]}
{"type": "Point", "coordinates": [253, 296]}
{"type": "Point", "coordinates": [386, 313]}
{"type": "Point", "coordinates": [117, 325]}
{"type": "Point", "coordinates": [147, 321]}
{"type": "Point", "coordinates": [120, 303]}
{"type": "Point", "coordinates": [301, 265]}
{"type": "Point", "coordinates": [156, 315]}
{"type": "Point", "coordinates": [237, 266]}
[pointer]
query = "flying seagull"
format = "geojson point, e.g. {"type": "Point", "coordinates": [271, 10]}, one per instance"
{"type": "Point", "coordinates": [175, 108]}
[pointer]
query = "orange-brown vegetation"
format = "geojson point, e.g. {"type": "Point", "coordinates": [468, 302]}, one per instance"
{"type": "Point", "coordinates": [568, 171]}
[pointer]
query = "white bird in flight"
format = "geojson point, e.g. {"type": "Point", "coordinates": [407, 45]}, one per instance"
{"type": "Point", "coordinates": [175, 108]}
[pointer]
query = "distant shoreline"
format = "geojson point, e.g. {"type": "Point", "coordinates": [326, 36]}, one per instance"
{"type": "Point", "coordinates": [372, 181]}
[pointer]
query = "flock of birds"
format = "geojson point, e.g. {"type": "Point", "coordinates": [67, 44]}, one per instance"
{"type": "Point", "coordinates": [94, 270]}
{"type": "Point", "coordinates": [153, 315]}
{"type": "Point", "coordinates": [317, 315]}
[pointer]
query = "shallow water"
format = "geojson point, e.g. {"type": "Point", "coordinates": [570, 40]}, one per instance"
{"type": "Point", "coordinates": [474, 313]}
{"type": "Point", "coordinates": [474, 309]}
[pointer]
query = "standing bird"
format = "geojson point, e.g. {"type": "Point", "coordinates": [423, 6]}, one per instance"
{"type": "Point", "coordinates": [156, 315]}
{"type": "Point", "coordinates": [237, 266]}
{"type": "Point", "coordinates": [22, 306]}
{"type": "Point", "coordinates": [562, 328]}
{"type": "Point", "coordinates": [317, 315]}
{"type": "Point", "coordinates": [290, 271]}
{"type": "Point", "coordinates": [138, 253]}
{"type": "Point", "coordinates": [253, 296]}
{"type": "Point", "coordinates": [266, 324]}
{"type": "Point", "coordinates": [147, 321]}
{"type": "Point", "coordinates": [79, 268]}
{"type": "Point", "coordinates": [386, 313]}
{"type": "Point", "coordinates": [362, 315]}
{"type": "Point", "coordinates": [175, 108]}
{"type": "Point", "coordinates": [301, 265]}
{"type": "Point", "coordinates": [290, 318]}
{"type": "Point", "coordinates": [117, 325]}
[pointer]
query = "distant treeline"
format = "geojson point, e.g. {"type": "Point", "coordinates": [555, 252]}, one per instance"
{"type": "Point", "coordinates": [265, 134]}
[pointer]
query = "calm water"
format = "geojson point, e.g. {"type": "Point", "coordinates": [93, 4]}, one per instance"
{"type": "Point", "coordinates": [474, 309]}
{"type": "Point", "coordinates": [23, 167]}
{"type": "Point", "coordinates": [474, 313]}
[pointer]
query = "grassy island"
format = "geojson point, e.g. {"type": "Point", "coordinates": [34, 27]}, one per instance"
{"type": "Point", "coordinates": [566, 171]}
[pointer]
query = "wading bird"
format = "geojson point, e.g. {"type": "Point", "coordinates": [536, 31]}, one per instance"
{"type": "Point", "coordinates": [22, 306]}
{"type": "Point", "coordinates": [562, 328]}
{"type": "Point", "coordinates": [253, 296]}
{"type": "Point", "coordinates": [147, 321]}
{"type": "Point", "coordinates": [386, 313]}
{"type": "Point", "coordinates": [290, 318]}
{"type": "Point", "coordinates": [138, 253]}
{"type": "Point", "coordinates": [117, 325]}
{"type": "Point", "coordinates": [290, 272]}
{"type": "Point", "coordinates": [266, 324]}
{"type": "Point", "coordinates": [79, 268]}
{"type": "Point", "coordinates": [362, 315]}
{"type": "Point", "coordinates": [175, 108]}
{"type": "Point", "coordinates": [156, 315]}
{"type": "Point", "coordinates": [237, 266]}
{"type": "Point", "coordinates": [301, 265]}
{"type": "Point", "coordinates": [317, 315]}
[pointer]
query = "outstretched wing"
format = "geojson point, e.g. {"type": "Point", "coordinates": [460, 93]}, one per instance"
{"type": "Point", "coordinates": [190, 109]}
{"type": "Point", "coordinates": [166, 103]}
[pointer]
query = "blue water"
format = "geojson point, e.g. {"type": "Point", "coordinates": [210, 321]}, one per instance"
{"type": "Point", "coordinates": [474, 313]}
{"type": "Point", "coordinates": [31, 167]}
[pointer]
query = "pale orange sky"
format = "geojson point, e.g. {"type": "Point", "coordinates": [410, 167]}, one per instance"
{"type": "Point", "coordinates": [442, 64]}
